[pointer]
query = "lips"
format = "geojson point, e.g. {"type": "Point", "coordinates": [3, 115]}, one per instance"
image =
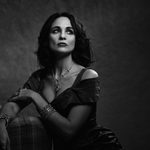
{"type": "Point", "coordinates": [62, 44]}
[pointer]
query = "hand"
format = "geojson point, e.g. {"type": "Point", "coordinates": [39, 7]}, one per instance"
{"type": "Point", "coordinates": [4, 138]}
{"type": "Point", "coordinates": [27, 93]}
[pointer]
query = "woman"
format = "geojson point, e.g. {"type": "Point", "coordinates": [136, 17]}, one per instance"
{"type": "Point", "coordinates": [65, 90]}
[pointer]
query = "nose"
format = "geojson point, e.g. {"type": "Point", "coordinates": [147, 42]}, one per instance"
{"type": "Point", "coordinates": [62, 36]}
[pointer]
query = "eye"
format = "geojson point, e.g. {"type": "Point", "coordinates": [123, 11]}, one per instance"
{"type": "Point", "coordinates": [54, 31]}
{"type": "Point", "coordinates": [70, 31]}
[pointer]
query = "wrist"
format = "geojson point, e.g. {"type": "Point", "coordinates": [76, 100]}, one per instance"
{"type": "Point", "coordinates": [2, 122]}
{"type": "Point", "coordinates": [38, 100]}
{"type": "Point", "coordinates": [4, 118]}
{"type": "Point", "coordinates": [34, 96]}
{"type": "Point", "coordinates": [47, 111]}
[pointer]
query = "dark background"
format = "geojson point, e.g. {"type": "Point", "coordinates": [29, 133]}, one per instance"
{"type": "Point", "coordinates": [119, 32]}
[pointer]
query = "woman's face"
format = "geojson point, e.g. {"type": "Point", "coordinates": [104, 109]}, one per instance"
{"type": "Point", "coordinates": [62, 37]}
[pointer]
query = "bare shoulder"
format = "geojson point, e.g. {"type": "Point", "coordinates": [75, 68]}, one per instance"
{"type": "Point", "coordinates": [89, 73]}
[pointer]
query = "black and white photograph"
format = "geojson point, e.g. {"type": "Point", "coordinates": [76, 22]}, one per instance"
{"type": "Point", "coordinates": [74, 75]}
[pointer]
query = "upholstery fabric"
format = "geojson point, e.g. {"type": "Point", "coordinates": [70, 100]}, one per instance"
{"type": "Point", "coordinates": [28, 133]}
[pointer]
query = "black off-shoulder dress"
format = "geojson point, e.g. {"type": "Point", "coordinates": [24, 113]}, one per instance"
{"type": "Point", "coordinates": [83, 92]}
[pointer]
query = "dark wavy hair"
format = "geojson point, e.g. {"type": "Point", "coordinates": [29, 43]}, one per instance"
{"type": "Point", "coordinates": [82, 53]}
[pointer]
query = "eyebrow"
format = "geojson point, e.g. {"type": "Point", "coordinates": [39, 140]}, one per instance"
{"type": "Point", "coordinates": [69, 27]}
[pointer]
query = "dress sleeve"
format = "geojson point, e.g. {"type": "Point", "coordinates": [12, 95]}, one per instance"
{"type": "Point", "coordinates": [32, 83]}
{"type": "Point", "coordinates": [86, 92]}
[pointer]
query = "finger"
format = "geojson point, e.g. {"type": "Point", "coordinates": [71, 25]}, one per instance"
{"type": "Point", "coordinates": [17, 92]}
{"type": "Point", "coordinates": [16, 97]}
{"type": "Point", "coordinates": [23, 90]}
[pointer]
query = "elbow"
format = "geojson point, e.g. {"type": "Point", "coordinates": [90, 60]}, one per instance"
{"type": "Point", "coordinates": [69, 135]}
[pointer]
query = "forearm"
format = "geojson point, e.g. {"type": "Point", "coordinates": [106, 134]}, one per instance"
{"type": "Point", "coordinates": [66, 127]}
{"type": "Point", "coordinates": [59, 124]}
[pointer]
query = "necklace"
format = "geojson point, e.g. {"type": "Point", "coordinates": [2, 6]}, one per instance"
{"type": "Point", "coordinates": [58, 80]}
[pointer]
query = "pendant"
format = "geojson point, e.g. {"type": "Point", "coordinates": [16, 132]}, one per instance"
{"type": "Point", "coordinates": [57, 86]}
{"type": "Point", "coordinates": [57, 80]}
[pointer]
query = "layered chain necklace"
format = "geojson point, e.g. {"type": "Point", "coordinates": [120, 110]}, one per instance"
{"type": "Point", "coordinates": [58, 79]}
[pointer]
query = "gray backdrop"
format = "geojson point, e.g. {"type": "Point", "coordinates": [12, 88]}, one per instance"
{"type": "Point", "coordinates": [119, 32]}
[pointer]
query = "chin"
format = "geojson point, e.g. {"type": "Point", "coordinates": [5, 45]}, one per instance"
{"type": "Point", "coordinates": [62, 53]}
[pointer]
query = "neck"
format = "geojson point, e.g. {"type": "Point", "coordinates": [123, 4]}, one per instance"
{"type": "Point", "coordinates": [64, 64]}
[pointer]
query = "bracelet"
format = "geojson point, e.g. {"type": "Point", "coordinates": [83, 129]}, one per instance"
{"type": "Point", "coordinates": [4, 117]}
{"type": "Point", "coordinates": [47, 111]}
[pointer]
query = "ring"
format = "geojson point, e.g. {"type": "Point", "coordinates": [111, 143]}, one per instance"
{"type": "Point", "coordinates": [17, 92]}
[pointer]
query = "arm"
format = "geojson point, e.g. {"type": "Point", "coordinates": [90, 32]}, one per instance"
{"type": "Point", "coordinates": [68, 126]}
{"type": "Point", "coordinates": [64, 126]}
{"type": "Point", "coordinates": [15, 104]}
{"type": "Point", "coordinates": [11, 109]}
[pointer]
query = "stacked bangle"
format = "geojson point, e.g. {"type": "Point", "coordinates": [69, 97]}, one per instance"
{"type": "Point", "coordinates": [4, 117]}
{"type": "Point", "coordinates": [47, 111]}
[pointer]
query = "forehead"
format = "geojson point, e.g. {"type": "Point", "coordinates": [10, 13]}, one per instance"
{"type": "Point", "coordinates": [62, 22]}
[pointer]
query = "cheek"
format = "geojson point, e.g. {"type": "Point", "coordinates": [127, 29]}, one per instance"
{"type": "Point", "coordinates": [52, 40]}
{"type": "Point", "coordinates": [72, 41]}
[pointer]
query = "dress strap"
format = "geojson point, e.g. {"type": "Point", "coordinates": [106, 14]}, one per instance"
{"type": "Point", "coordinates": [79, 76]}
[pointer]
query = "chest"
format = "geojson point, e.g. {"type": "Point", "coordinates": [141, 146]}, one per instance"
{"type": "Point", "coordinates": [63, 84]}
{"type": "Point", "coordinates": [53, 88]}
